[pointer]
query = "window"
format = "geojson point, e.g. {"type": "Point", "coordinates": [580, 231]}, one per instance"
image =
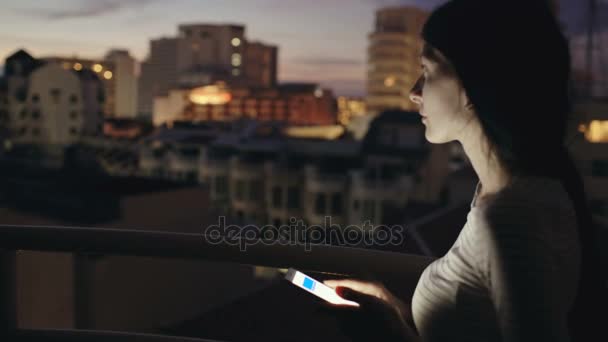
{"type": "Point", "coordinates": [21, 94]}
{"type": "Point", "coordinates": [256, 190]}
{"type": "Point", "coordinates": [191, 176]}
{"type": "Point", "coordinates": [320, 204]}
{"type": "Point", "coordinates": [221, 185]}
{"type": "Point", "coordinates": [73, 99]}
{"type": "Point", "coordinates": [36, 114]}
{"type": "Point", "coordinates": [23, 131]}
{"type": "Point", "coordinates": [55, 95]}
{"type": "Point", "coordinates": [35, 98]}
{"type": "Point", "coordinates": [73, 131]}
{"type": "Point", "coordinates": [73, 115]}
{"type": "Point", "coordinates": [336, 204]}
{"type": "Point", "coordinates": [293, 197]}
{"type": "Point", "coordinates": [368, 210]}
{"type": "Point", "coordinates": [599, 168]}
{"type": "Point", "coordinates": [35, 132]}
{"type": "Point", "coordinates": [356, 205]}
{"type": "Point", "coordinates": [240, 190]}
{"type": "Point", "coordinates": [276, 197]}
{"type": "Point", "coordinates": [240, 216]}
{"type": "Point", "coordinates": [23, 113]}
{"type": "Point", "coordinates": [236, 59]}
{"type": "Point", "coordinates": [276, 223]}
{"type": "Point", "coordinates": [204, 34]}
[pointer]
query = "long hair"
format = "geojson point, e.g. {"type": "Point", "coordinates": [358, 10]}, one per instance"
{"type": "Point", "coordinates": [514, 64]}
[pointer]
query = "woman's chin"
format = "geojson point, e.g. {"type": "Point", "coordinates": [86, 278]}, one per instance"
{"type": "Point", "coordinates": [434, 139]}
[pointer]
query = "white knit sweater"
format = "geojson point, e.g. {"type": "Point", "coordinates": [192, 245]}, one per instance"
{"type": "Point", "coordinates": [512, 273]}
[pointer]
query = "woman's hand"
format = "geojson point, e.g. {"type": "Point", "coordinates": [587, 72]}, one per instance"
{"type": "Point", "coordinates": [381, 315]}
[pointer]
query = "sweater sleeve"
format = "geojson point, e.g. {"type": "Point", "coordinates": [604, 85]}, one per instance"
{"type": "Point", "coordinates": [520, 273]}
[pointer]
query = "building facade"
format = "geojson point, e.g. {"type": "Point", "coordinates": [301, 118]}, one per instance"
{"type": "Point", "coordinates": [257, 175]}
{"type": "Point", "coordinates": [48, 104]}
{"type": "Point", "coordinates": [294, 104]}
{"type": "Point", "coordinates": [203, 54]}
{"type": "Point", "coordinates": [393, 58]}
{"type": "Point", "coordinates": [125, 80]}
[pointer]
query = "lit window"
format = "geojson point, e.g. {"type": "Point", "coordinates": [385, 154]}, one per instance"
{"type": "Point", "coordinates": [319, 92]}
{"type": "Point", "coordinates": [582, 128]}
{"type": "Point", "coordinates": [389, 81]}
{"type": "Point", "coordinates": [77, 66]}
{"type": "Point", "coordinates": [236, 59]}
{"type": "Point", "coordinates": [107, 75]}
{"type": "Point", "coordinates": [97, 67]}
{"type": "Point", "coordinates": [236, 72]}
{"type": "Point", "coordinates": [597, 131]}
{"type": "Point", "coordinates": [236, 42]}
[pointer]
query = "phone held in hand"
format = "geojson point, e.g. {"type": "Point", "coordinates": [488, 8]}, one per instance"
{"type": "Point", "coordinates": [317, 288]}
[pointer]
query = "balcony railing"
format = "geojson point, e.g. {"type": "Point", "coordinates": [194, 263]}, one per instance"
{"type": "Point", "coordinates": [395, 268]}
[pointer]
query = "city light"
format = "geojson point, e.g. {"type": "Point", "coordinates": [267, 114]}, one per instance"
{"type": "Point", "coordinates": [97, 67]}
{"type": "Point", "coordinates": [236, 42]}
{"type": "Point", "coordinates": [389, 81]}
{"type": "Point", "coordinates": [318, 92]}
{"type": "Point", "coordinates": [598, 131]}
{"type": "Point", "coordinates": [236, 59]}
{"type": "Point", "coordinates": [77, 66]}
{"type": "Point", "coordinates": [107, 75]}
{"type": "Point", "coordinates": [213, 95]}
{"type": "Point", "coordinates": [236, 72]}
{"type": "Point", "coordinates": [315, 132]}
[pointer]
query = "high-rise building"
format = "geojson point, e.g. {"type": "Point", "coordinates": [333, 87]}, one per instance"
{"type": "Point", "coordinates": [393, 58]}
{"type": "Point", "coordinates": [260, 64]}
{"type": "Point", "coordinates": [158, 73]}
{"type": "Point", "coordinates": [125, 80]}
{"type": "Point", "coordinates": [203, 54]}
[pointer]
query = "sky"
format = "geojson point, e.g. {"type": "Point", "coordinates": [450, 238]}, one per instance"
{"type": "Point", "coordinates": [319, 40]}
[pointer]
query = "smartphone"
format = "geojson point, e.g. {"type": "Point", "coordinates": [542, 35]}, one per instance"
{"type": "Point", "coordinates": [317, 288]}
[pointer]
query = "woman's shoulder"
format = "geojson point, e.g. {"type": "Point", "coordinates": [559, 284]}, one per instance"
{"type": "Point", "coordinates": [529, 202]}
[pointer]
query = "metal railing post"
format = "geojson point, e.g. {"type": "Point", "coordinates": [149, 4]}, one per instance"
{"type": "Point", "coordinates": [8, 293]}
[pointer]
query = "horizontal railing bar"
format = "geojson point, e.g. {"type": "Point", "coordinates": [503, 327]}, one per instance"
{"type": "Point", "coordinates": [59, 335]}
{"type": "Point", "coordinates": [320, 258]}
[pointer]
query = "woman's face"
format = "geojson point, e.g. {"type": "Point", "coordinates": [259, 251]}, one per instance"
{"type": "Point", "coordinates": [441, 99]}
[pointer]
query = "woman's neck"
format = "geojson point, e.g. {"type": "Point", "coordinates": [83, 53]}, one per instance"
{"type": "Point", "coordinates": [492, 176]}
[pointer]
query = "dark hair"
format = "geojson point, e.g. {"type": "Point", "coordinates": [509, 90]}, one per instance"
{"type": "Point", "coordinates": [514, 64]}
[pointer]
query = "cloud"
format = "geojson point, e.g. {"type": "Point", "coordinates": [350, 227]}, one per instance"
{"type": "Point", "coordinates": [424, 4]}
{"type": "Point", "coordinates": [327, 61]}
{"type": "Point", "coordinates": [86, 9]}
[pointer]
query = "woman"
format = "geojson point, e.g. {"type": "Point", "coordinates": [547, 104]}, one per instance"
{"type": "Point", "coordinates": [495, 78]}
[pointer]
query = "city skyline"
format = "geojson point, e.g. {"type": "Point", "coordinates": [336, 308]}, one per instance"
{"type": "Point", "coordinates": [332, 53]}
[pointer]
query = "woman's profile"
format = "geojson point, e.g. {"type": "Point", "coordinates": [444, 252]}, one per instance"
{"type": "Point", "coordinates": [495, 77]}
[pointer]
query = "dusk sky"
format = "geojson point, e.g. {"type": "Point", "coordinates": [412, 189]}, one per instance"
{"type": "Point", "coordinates": [319, 40]}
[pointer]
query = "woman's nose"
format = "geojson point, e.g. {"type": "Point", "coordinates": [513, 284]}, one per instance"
{"type": "Point", "coordinates": [416, 92]}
